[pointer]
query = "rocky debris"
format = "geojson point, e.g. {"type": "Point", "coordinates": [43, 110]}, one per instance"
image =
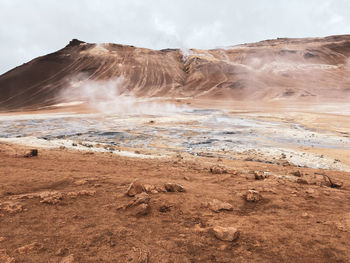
{"type": "Point", "coordinates": [139, 206]}
{"type": "Point", "coordinates": [4, 257]}
{"type": "Point", "coordinates": [11, 207]}
{"type": "Point", "coordinates": [81, 193]}
{"type": "Point", "coordinates": [135, 188]}
{"type": "Point", "coordinates": [218, 170]}
{"type": "Point", "coordinates": [252, 196]}
{"type": "Point", "coordinates": [226, 233]}
{"type": "Point", "coordinates": [68, 259]}
{"type": "Point", "coordinates": [31, 153]}
{"type": "Point", "coordinates": [142, 198]}
{"type": "Point", "coordinates": [259, 175]}
{"type": "Point", "coordinates": [62, 252]}
{"type": "Point", "coordinates": [50, 197]}
{"type": "Point", "coordinates": [2, 239]}
{"type": "Point", "coordinates": [151, 189]}
{"type": "Point", "coordinates": [28, 248]}
{"type": "Point", "coordinates": [173, 187]}
{"type": "Point", "coordinates": [217, 206]}
{"type": "Point", "coordinates": [47, 197]}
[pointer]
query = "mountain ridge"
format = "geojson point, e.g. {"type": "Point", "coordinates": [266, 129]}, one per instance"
{"type": "Point", "coordinates": [315, 69]}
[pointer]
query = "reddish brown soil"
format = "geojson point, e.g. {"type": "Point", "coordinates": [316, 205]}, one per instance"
{"type": "Point", "coordinates": [292, 223]}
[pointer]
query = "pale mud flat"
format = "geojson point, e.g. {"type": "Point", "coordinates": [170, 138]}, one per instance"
{"type": "Point", "coordinates": [308, 136]}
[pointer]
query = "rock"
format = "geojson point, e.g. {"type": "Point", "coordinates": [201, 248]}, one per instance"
{"type": "Point", "coordinates": [259, 175]}
{"type": "Point", "coordinates": [31, 153]}
{"type": "Point", "coordinates": [186, 178]}
{"type": "Point", "coordinates": [142, 198]}
{"type": "Point", "coordinates": [2, 239]}
{"type": "Point", "coordinates": [173, 187]}
{"type": "Point", "coordinates": [82, 193]}
{"type": "Point", "coordinates": [135, 188]}
{"type": "Point", "coordinates": [305, 215]}
{"type": "Point", "coordinates": [217, 206]}
{"type": "Point", "coordinates": [141, 210]}
{"type": "Point", "coordinates": [252, 196]}
{"type": "Point", "coordinates": [28, 248]}
{"type": "Point", "coordinates": [302, 181]}
{"type": "Point", "coordinates": [11, 207]}
{"type": "Point", "coordinates": [226, 233]}
{"type": "Point", "coordinates": [4, 257]}
{"type": "Point", "coordinates": [218, 170]}
{"type": "Point", "coordinates": [62, 252]}
{"type": "Point", "coordinates": [81, 182]}
{"type": "Point", "coordinates": [149, 188]}
{"type": "Point", "coordinates": [164, 208]}
{"type": "Point", "coordinates": [68, 259]}
{"type": "Point", "coordinates": [297, 173]}
{"type": "Point", "coordinates": [50, 197]}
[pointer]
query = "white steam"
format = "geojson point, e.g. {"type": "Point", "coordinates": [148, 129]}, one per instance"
{"type": "Point", "coordinates": [111, 97]}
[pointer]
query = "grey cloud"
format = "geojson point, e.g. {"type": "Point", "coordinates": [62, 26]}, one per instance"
{"type": "Point", "coordinates": [30, 28]}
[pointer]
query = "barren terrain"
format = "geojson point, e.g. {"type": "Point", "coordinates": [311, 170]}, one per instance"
{"type": "Point", "coordinates": [113, 153]}
{"type": "Point", "coordinates": [69, 203]}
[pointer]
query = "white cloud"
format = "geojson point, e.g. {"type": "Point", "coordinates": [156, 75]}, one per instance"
{"type": "Point", "coordinates": [30, 28]}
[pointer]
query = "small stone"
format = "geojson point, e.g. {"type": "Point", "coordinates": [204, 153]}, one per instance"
{"type": "Point", "coordinates": [164, 208]}
{"type": "Point", "coordinates": [173, 187]}
{"type": "Point", "coordinates": [186, 178]}
{"type": "Point", "coordinates": [252, 196]}
{"type": "Point", "coordinates": [149, 188]}
{"type": "Point", "coordinates": [2, 239]}
{"type": "Point", "coordinates": [218, 170]}
{"type": "Point", "coordinates": [62, 252]}
{"type": "Point", "coordinates": [135, 188]}
{"type": "Point", "coordinates": [226, 233]}
{"type": "Point", "coordinates": [141, 210]}
{"type": "Point", "coordinates": [68, 259]}
{"type": "Point", "coordinates": [31, 153]}
{"type": "Point", "coordinates": [302, 181]}
{"type": "Point", "coordinates": [28, 248]}
{"type": "Point", "coordinates": [297, 173]}
{"type": "Point", "coordinates": [305, 215]}
{"type": "Point", "coordinates": [259, 175]}
{"type": "Point", "coordinates": [217, 206]}
{"type": "Point", "coordinates": [81, 182]}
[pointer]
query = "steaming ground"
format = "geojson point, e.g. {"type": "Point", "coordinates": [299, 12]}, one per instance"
{"type": "Point", "coordinates": [272, 181]}
{"type": "Point", "coordinates": [167, 130]}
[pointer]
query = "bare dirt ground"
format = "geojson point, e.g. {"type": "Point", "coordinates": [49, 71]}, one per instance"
{"type": "Point", "coordinates": [71, 205]}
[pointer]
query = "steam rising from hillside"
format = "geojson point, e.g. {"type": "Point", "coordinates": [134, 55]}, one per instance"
{"type": "Point", "coordinates": [110, 97]}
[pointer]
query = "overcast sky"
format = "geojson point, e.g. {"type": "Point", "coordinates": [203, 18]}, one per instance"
{"type": "Point", "coordinates": [31, 28]}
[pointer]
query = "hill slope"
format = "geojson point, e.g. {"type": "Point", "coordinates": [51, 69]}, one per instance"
{"type": "Point", "coordinates": [293, 69]}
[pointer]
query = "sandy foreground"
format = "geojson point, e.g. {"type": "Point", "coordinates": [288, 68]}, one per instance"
{"type": "Point", "coordinates": [70, 203]}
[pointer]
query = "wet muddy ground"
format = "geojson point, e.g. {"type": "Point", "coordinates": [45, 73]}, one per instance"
{"type": "Point", "coordinates": [197, 132]}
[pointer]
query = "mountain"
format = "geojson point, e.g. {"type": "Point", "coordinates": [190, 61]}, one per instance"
{"type": "Point", "coordinates": [286, 69]}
